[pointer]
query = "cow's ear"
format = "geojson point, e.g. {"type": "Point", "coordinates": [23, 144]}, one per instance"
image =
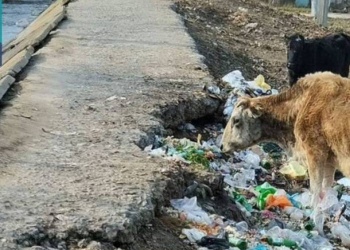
{"type": "Point", "coordinates": [256, 110]}
{"type": "Point", "coordinates": [301, 37]}
{"type": "Point", "coordinates": [242, 102]}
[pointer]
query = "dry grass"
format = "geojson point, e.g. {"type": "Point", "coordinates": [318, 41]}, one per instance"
{"type": "Point", "coordinates": [342, 25]}
{"type": "Point", "coordinates": [293, 9]}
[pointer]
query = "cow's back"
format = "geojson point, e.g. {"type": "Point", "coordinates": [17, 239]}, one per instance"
{"type": "Point", "coordinates": [324, 111]}
{"type": "Point", "coordinates": [329, 53]}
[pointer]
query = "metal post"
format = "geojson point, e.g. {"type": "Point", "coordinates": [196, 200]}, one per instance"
{"type": "Point", "coordinates": [314, 4]}
{"type": "Point", "coordinates": [322, 12]}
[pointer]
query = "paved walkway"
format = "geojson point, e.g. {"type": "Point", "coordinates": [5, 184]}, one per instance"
{"type": "Point", "coordinates": [71, 166]}
{"type": "Point", "coordinates": [333, 15]}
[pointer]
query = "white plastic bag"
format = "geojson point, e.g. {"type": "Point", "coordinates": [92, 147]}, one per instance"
{"type": "Point", "coordinates": [342, 232]}
{"type": "Point", "coordinates": [192, 210]}
{"type": "Point", "coordinates": [235, 79]}
{"type": "Point", "coordinates": [193, 234]}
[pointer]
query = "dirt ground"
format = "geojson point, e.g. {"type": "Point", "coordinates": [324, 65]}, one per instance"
{"type": "Point", "coordinates": [247, 35]}
{"type": "Point", "coordinates": [112, 77]}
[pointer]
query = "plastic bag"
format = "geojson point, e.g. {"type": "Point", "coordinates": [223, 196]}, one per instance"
{"type": "Point", "coordinates": [294, 170]}
{"type": "Point", "coordinates": [159, 152]}
{"type": "Point", "coordinates": [251, 159]}
{"type": "Point", "coordinates": [342, 232]}
{"type": "Point", "coordinates": [304, 199]}
{"type": "Point", "coordinates": [191, 209]}
{"type": "Point", "coordinates": [344, 181]}
{"type": "Point", "coordinates": [237, 181]}
{"type": "Point", "coordinates": [329, 200]}
{"type": "Point", "coordinates": [193, 234]}
{"type": "Point", "coordinates": [319, 218]}
{"type": "Point", "coordinates": [277, 201]}
{"type": "Point", "coordinates": [235, 79]}
{"type": "Point", "coordinates": [264, 190]}
{"type": "Point", "coordinates": [260, 82]}
{"type": "Point", "coordinates": [294, 213]}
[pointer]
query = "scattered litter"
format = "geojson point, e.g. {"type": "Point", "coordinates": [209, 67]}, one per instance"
{"type": "Point", "coordinates": [190, 127]}
{"type": "Point", "coordinates": [214, 89]}
{"type": "Point", "coordinates": [342, 232]}
{"type": "Point", "coordinates": [192, 211]}
{"type": "Point", "coordinates": [235, 79]}
{"type": "Point", "coordinates": [112, 98]}
{"type": "Point", "coordinates": [277, 201]}
{"type": "Point", "coordinates": [242, 9]}
{"type": "Point", "coordinates": [294, 170]}
{"type": "Point", "coordinates": [241, 87]}
{"type": "Point", "coordinates": [344, 181]}
{"type": "Point", "coordinates": [251, 26]}
{"type": "Point", "coordinates": [345, 197]}
{"type": "Point", "coordinates": [213, 243]}
{"type": "Point", "coordinates": [279, 211]}
{"type": "Point", "coordinates": [157, 152]}
{"type": "Point", "coordinates": [193, 234]}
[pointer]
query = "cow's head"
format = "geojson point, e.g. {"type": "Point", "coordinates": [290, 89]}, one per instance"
{"type": "Point", "coordinates": [295, 49]}
{"type": "Point", "coordinates": [244, 127]}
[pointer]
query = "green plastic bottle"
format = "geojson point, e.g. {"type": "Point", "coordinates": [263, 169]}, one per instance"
{"type": "Point", "coordinates": [239, 243]}
{"type": "Point", "coordinates": [309, 225]}
{"type": "Point", "coordinates": [282, 242]}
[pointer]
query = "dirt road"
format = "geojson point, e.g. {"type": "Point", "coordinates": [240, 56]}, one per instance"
{"type": "Point", "coordinates": [71, 165]}
{"type": "Point", "coordinates": [247, 35]}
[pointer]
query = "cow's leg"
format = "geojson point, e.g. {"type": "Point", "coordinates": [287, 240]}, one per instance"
{"type": "Point", "coordinates": [316, 166]}
{"type": "Point", "coordinates": [328, 175]}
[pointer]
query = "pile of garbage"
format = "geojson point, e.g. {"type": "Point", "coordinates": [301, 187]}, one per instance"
{"type": "Point", "coordinates": [283, 219]}
{"type": "Point", "coordinates": [238, 86]}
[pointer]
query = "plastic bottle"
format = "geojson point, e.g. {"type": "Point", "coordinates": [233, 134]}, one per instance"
{"type": "Point", "coordinates": [309, 225]}
{"type": "Point", "coordinates": [282, 242]}
{"type": "Point", "coordinates": [235, 242]}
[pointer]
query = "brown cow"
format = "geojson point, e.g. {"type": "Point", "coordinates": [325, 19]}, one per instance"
{"type": "Point", "coordinates": [311, 118]}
